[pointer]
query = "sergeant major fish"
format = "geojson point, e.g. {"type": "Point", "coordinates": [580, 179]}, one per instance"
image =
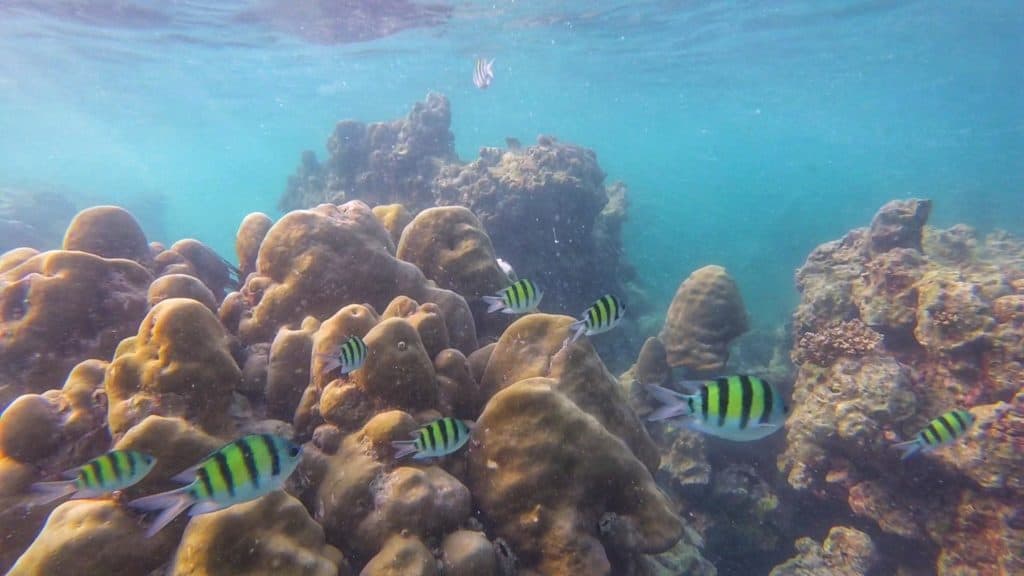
{"type": "Point", "coordinates": [521, 297]}
{"type": "Point", "coordinates": [483, 73]}
{"type": "Point", "coordinates": [939, 432]}
{"type": "Point", "coordinates": [240, 471]}
{"type": "Point", "coordinates": [601, 316]}
{"type": "Point", "coordinates": [739, 408]}
{"type": "Point", "coordinates": [111, 472]}
{"type": "Point", "coordinates": [350, 356]}
{"type": "Point", "coordinates": [438, 438]}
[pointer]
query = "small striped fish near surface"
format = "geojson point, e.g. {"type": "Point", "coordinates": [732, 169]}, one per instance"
{"type": "Point", "coordinates": [483, 73]}
{"type": "Point", "coordinates": [939, 432]}
{"type": "Point", "coordinates": [521, 297]}
{"type": "Point", "coordinates": [240, 471]}
{"type": "Point", "coordinates": [113, 471]}
{"type": "Point", "coordinates": [350, 356]}
{"type": "Point", "coordinates": [739, 408]}
{"type": "Point", "coordinates": [438, 438]}
{"type": "Point", "coordinates": [603, 315]}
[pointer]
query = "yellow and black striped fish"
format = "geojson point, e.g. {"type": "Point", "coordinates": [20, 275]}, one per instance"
{"type": "Point", "coordinates": [739, 408]}
{"type": "Point", "coordinates": [521, 297]}
{"type": "Point", "coordinates": [243, 470]}
{"type": "Point", "coordinates": [939, 432]}
{"type": "Point", "coordinates": [113, 471]}
{"type": "Point", "coordinates": [438, 438]}
{"type": "Point", "coordinates": [603, 315]}
{"type": "Point", "coordinates": [349, 356]}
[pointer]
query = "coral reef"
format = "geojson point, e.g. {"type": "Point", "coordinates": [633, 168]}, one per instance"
{"type": "Point", "coordinates": [897, 324]}
{"type": "Point", "coordinates": [58, 308]}
{"type": "Point", "coordinates": [706, 314]}
{"type": "Point", "coordinates": [534, 203]}
{"type": "Point", "coordinates": [845, 552]}
{"type": "Point", "coordinates": [108, 232]}
{"type": "Point", "coordinates": [313, 262]}
{"type": "Point", "coordinates": [250, 235]}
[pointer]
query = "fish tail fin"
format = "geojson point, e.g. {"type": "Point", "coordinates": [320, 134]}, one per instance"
{"type": "Point", "coordinates": [403, 448]}
{"type": "Point", "coordinates": [329, 362]}
{"type": "Point", "coordinates": [494, 303]}
{"type": "Point", "coordinates": [170, 504]}
{"type": "Point", "coordinates": [908, 448]}
{"type": "Point", "coordinates": [46, 492]}
{"type": "Point", "coordinates": [673, 403]}
{"type": "Point", "coordinates": [578, 329]}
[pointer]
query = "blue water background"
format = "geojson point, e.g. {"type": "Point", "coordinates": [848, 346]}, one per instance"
{"type": "Point", "coordinates": [748, 132]}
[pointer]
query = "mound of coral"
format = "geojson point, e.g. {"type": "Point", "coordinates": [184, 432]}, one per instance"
{"type": "Point", "coordinates": [545, 208]}
{"type": "Point", "coordinates": [158, 352]}
{"type": "Point", "coordinates": [898, 323]}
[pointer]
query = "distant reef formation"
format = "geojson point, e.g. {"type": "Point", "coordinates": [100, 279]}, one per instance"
{"type": "Point", "coordinates": [545, 208]}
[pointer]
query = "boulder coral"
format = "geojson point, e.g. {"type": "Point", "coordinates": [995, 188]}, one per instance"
{"type": "Point", "coordinates": [451, 248]}
{"type": "Point", "coordinates": [705, 316]}
{"type": "Point", "coordinates": [178, 364]}
{"type": "Point", "coordinates": [107, 232]}
{"type": "Point", "coordinates": [58, 308]}
{"type": "Point", "coordinates": [566, 493]}
{"type": "Point", "coordinates": [248, 238]}
{"type": "Point", "coordinates": [273, 535]}
{"type": "Point", "coordinates": [897, 324]}
{"type": "Point", "coordinates": [313, 262]}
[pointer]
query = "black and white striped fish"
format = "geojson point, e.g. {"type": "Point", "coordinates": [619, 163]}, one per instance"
{"type": "Point", "coordinates": [350, 356]}
{"type": "Point", "coordinates": [521, 297]}
{"type": "Point", "coordinates": [601, 316]}
{"type": "Point", "coordinates": [739, 408]}
{"type": "Point", "coordinates": [483, 73]}
{"type": "Point", "coordinates": [113, 471]}
{"type": "Point", "coordinates": [438, 438]}
{"type": "Point", "coordinates": [240, 471]}
{"type": "Point", "coordinates": [939, 432]}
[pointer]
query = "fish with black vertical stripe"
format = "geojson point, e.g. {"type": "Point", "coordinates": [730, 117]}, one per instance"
{"type": "Point", "coordinates": [939, 432]}
{"type": "Point", "coordinates": [739, 408]}
{"type": "Point", "coordinates": [521, 297]}
{"type": "Point", "coordinates": [435, 439]}
{"type": "Point", "coordinates": [237, 472]}
{"type": "Point", "coordinates": [111, 472]}
{"type": "Point", "coordinates": [349, 357]}
{"type": "Point", "coordinates": [603, 315]}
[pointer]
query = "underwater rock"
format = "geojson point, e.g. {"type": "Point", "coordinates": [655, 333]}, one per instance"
{"type": "Point", "coordinates": [93, 537]}
{"type": "Point", "coordinates": [851, 339]}
{"type": "Point", "coordinates": [451, 248]}
{"type": "Point", "coordinates": [533, 346]}
{"type": "Point", "coordinates": [845, 552]}
{"type": "Point", "coordinates": [59, 308]}
{"type": "Point", "coordinates": [108, 232]}
{"type": "Point", "coordinates": [705, 316]}
{"type": "Point", "coordinates": [271, 535]}
{"type": "Point", "coordinates": [251, 231]}
{"type": "Point", "coordinates": [545, 473]}
{"type": "Point", "coordinates": [313, 262]}
{"type": "Point", "coordinates": [380, 163]}
{"type": "Point", "coordinates": [179, 364]}
{"type": "Point", "coordinates": [898, 224]}
{"type": "Point", "coordinates": [181, 286]}
{"type": "Point", "coordinates": [394, 218]}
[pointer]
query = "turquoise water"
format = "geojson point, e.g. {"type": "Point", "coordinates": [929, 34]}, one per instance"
{"type": "Point", "coordinates": [747, 132]}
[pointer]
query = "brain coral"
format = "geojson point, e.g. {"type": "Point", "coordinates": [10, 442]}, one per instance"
{"type": "Point", "coordinates": [706, 314]}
